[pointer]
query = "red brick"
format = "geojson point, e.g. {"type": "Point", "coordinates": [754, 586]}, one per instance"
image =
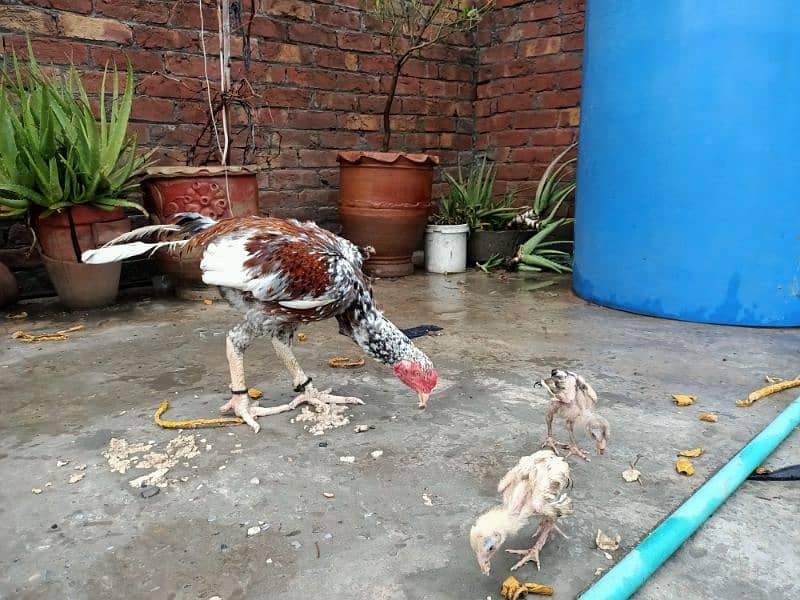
{"type": "Point", "coordinates": [157, 110]}
{"type": "Point", "coordinates": [455, 72]}
{"type": "Point", "coordinates": [307, 119]}
{"type": "Point", "coordinates": [258, 73]}
{"type": "Point", "coordinates": [187, 15]}
{"type": "Point", "coordinates": [159, 38]}
{"type": "Point", "coordinates": [357, 82]}
{"type": "Point", "coordinates": [540, 10]}
{"type": "Point", "coordinates": [484, 108]}
{"type": "Point", "coordinates": [405, 86]}
{"type": "Point", "coordinates": [568, 80]}
{"type": "Point", "coordinates": [518, 31]}
{"type": "Point", "coordinates": [357, 41]}
{"type": "Point", "coordinates": [360, 122]}
{"type": "Point", "coordinates": [288, 8]}
{"type": "Point", "coordinates": [536, 119]}
{"type": "Point", "coordinates": [558, 62]}
{"type": "Point", "coordinates": [511, 137]}
{"type": "Point", "coordinates": [188, 111]}
{"type": "Point", "coordinates": [311, 34]}
{"type": "Point", "coordinates": [78, 6]}
{"type": "Point", "coordinates": [570, 117]}
{"type": "Point", "coordinates": [331, 15]}
{"type": "Point", "coordinates": [572, 41]}
{"type": "Point", "coordinates": [422, 69]}
{"type": "Point", "coordinates": [145, 11]}
{"type": "Point", "coordinates": [169, 87]}
{"type": "Point", "coordinates": [335, 101]}
{"type": "Point", "coordinates": [175, 135]}
{"type": "Point", "coordinates": [495, 88]}
{"type": "Point", "coordinates": [93, 28]}
{"type": "Point", "coordinates": [268, 28]}
{"type": "Point", "coordinates": [376, 104]}
{"type": "Point", "coordinates": [27, 20]}
{"type": "Point", "coordinates": [552, 137]}
{"type": "Point", "coordinates": [332, 58]}
{"type": "Point", "coordinates": [514, 102]}
{"type": "Point", "coordinates": [141, 61]}
{"type": "Point", "coordinates": [456, 141]}
{"type": "Point", "coordinates": [292, 179]}
{"type": "Point", "coordinates": [376, 63]}
{"type": "Point", "coordinates": [281, 53]}
{"type": "Point", "coordinates": [572, 6]}
{"type": "Point", "coordinates": [311, 78]}
{"type": "Point", "coordinates": [55, 51]}
{"type": "Point", "coordinates": [534, 83]}
{"type": "Point", "coordinates": [340, 140]}
{"type": "Point", "coordinates": [541, 154]}
{"type": "Point", "coordinates": [290, 97]}
{"type": "Point", "coordinates": [572, 23]}
{"type": "Point", "coordinates": [514, 171]}
{"type": "Point", "coordinates": [540, 46]}
{"type": "Point", "coordinates": [498, 54]}
{"type": "Point", "coordinates": [559, 99]}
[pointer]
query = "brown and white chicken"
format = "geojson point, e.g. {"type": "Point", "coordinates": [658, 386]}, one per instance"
{"type": "Point", "coordinates": [535, 487]}
{"type": "Point", "coordinates": [573, 399]}
{"type": "Point", "coordinates": [281, 273]}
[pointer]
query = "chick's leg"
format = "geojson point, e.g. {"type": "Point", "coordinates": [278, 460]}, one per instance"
{"type": "Point", "coordinates": [302, 383]}
{"type": "Point", "coordinates": [549, 441]}
{"type": "Point", "coordinates": [541, 535]}
{"type": "Point", "coordinates": [572, 447]}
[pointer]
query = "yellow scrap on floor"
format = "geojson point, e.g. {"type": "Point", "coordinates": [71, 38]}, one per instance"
{"type": "Point", "coordinates": [194, 423]}
{"type": "Point", "coordinates": [512, 589]}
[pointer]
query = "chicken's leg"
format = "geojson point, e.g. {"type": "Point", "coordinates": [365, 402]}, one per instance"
{"type": "Point", "coordinates": [302, 383]}
{"type": "Point", "coordinates": [541, 535]}
{"type": "Point", "coordinates": [237, 341]}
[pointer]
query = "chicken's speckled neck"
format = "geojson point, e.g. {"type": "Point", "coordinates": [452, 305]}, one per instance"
{"type": "Point", "coordinates": [378, 336]}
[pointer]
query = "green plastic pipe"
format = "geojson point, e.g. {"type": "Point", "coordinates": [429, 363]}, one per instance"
{"type": "Point", "coordinates": [644, 560]}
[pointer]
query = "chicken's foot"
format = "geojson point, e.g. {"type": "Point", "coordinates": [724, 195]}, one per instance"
{"type": "Point", "coordinates": [532, 555]}
{"type": "Point", "coordinates": [316, 397]}
{"type": "Point", "coordinates": [247, 410]}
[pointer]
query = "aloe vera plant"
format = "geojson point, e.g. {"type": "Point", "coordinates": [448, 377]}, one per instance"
{"type": "Point", "coordinates": [471, 200]}
{"type": "Point", "coordinates": [54, 153]}
{"type": "Point", "coordinates": [539, 253]}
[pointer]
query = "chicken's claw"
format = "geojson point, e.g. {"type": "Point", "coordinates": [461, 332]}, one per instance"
{"type": "Point", "coordinates": [531, 555]}
{"type": "Point", "coordinates": [549, 442]}
{"type": "Point", "coordinates": [573, 449]}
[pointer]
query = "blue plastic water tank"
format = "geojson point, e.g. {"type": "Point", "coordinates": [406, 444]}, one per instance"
{"type": "Point", "coordinates": [688, 202]}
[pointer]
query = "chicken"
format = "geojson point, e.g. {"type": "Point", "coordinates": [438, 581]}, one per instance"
{"type": "Point", "coordinates": [279, 274]}
{"type": "Point", "coordinates": [572, 398]}
{"type": "Point", "coordinates": [535, 487]}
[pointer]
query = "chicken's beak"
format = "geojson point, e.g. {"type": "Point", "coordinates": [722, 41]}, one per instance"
{"type": "Point", "coordinates": [422, 399]}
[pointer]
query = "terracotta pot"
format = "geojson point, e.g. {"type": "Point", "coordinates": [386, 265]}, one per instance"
{"type": "Point", "coordinates": [483, 245]}
{"type": "Point", "coordinates": [171, 190]}
{"type": "Point", "coordinates": [83, 286]}
{"type": "Point", "coordinates": [384, 202]}
{"type": "Point", "coordinates": [93, 227]}
{"type": "Point", "coordinates": [9, 290]}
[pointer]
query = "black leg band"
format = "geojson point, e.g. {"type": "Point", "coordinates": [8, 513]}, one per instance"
{"type": "Point", "coordinates": [302, 386]}
{"type": "Point", "coordinates": [239, 392]}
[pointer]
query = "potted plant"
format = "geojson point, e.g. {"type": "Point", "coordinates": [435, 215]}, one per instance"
{"type": "Point", "coordinates": [493, 233]}
{"type": "Point", "coordinates": [214, 190]}
{"type": "Point", "coordinates": [446, 236]}
{"type": "Point", "coordinates": [540, 252]}
{"type": "Point", "coordinates": [69, 173]}
{"type": "Point", "coordinates": [385, 197]}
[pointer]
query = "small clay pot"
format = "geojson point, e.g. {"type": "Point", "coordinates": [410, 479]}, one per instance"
{"type": "Point", "coordinates": [9, 290]}
{"type": "Point", "coordinates": [81, 286]}
{"type": "Point", "coordinates": [483, 245]}
{"type": "Point", "coordinates": [93, 227]}
{"type": "Point", "coordinates": [384, 202]}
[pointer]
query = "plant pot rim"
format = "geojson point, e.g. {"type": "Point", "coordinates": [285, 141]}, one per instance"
{"type": "Point", "coordinates": [356, 156]}
{"type": "Point", "coordinates": [447, 228]}
{"type": "Point", "coordinates": [206, 171]}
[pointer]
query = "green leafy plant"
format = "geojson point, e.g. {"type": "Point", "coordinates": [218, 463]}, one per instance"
{"type": "Point", "coordinates": [539, 253]}
{"type": "Point", "coordinates": [54, 153]}
{"type": "Point", "coordinates": [494, 261]}
{"type": "Point", "coordinates": [472, 198]}
{"type": "Point", "coordinates": [417, 24]}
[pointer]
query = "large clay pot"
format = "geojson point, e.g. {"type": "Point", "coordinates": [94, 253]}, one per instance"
{"type": "Point", "coordinates": [171, 190]}
{"type": "Point", "coordinates": [81, 286]}
{"type": "Point", "coordinates": [9, 290]}
{"type": "Point", "coordinates": [93, 227]}
{"type": "Point", "coordinates": [62, 236]}
{"type": "Point", "coordinates": [384, 202]}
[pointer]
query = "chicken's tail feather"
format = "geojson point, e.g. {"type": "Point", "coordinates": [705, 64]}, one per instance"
{"type": "Point", "coordinates": [130, 244]}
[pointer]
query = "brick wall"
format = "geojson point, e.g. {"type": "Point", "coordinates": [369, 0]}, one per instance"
{"type": "Point", "coordinates": [317, 72]}
{"type": "Point", "coordinates": [528, 86]}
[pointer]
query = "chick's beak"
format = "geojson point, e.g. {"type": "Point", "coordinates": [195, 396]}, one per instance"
{"type": "Point", "coordinates": [422, 399]}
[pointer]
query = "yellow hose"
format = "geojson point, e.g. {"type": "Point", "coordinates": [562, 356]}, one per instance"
{"type": "Point", "coordinates": [767, 390]}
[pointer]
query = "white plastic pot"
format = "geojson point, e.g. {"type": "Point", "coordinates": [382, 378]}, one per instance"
{"type": "Point", "coordinates": [446, 248]}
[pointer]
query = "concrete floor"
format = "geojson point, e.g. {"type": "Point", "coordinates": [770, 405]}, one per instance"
{"type": "Point", "coordinates": [378, 538]}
